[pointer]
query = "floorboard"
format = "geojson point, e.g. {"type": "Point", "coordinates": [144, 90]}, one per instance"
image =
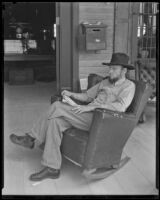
{"type": "Point", "coordinates": [23, 105]}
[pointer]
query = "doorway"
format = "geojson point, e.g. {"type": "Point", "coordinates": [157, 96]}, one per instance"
{"type": "Point", "coordinates": [45, 33]}
{"type": "Point", "coordinates": [29, 42]}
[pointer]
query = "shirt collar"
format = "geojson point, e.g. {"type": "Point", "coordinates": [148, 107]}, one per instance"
{"type": "Point", "coordinates": [120, 81]}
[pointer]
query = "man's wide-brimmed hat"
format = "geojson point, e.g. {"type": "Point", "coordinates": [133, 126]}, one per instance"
{"type": "Point", "coordinates": [120, 59]}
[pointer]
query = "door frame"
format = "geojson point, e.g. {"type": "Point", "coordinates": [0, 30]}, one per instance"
{"type": "Point", "coordinates": [71, 11]}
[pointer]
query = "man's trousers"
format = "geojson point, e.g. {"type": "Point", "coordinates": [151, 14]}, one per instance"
{"type": "Point", "coordinates": [48, 130]}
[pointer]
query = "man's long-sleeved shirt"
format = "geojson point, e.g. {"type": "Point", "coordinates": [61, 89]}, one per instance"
{"type": "Point", "coordinates": [116, 96]}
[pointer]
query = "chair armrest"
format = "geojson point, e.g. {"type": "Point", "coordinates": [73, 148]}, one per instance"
{"type": "Point", "coordinates": [108, 134]}
{"type": "Point", "coordinates": [116, 114]}
{"type": "Point", "coordinates": [56, 98]}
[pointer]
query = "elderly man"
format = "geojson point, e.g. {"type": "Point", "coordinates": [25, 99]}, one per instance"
{"type": "Point", "coordinates": [114, 93]}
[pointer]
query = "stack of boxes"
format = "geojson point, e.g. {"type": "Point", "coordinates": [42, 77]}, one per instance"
{"type": "Point", "coordinates": [13, 46]}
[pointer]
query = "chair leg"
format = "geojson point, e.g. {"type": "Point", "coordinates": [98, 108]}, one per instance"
{"type": "Point", "coordinates": [142, 118]}
{"type": "Point", "coordinates": [101, 173]}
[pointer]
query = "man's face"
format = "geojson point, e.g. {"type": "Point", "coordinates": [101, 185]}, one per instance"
{"type": "Point", "coordinates": [115, 73]}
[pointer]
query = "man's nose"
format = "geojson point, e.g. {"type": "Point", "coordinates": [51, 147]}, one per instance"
{"type": "Point", "coordinates": [110, 71]}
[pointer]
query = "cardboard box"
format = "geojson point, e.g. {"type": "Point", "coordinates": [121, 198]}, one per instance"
{"type": "Point", "coordinates": [13, 46]}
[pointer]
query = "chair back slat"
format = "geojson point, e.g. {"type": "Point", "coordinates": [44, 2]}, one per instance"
{"type": "Point", "coordinates": [142, 93]}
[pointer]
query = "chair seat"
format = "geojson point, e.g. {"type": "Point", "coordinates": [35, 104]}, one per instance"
{"type": "Point", "coordinates": [74, 144]}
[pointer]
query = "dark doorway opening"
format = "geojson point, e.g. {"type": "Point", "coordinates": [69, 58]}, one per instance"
{"type": "Point", "coordinates": [29, 42]}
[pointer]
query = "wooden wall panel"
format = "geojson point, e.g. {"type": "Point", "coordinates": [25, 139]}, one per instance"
{"type": "Point", "coordinates": [96, 4]}
{"type": "Point", "coordinates": [90, 62]}
{"type": "Point", "coordinates": [100, 70]}
{"type": "Point", "coordinates": [122, 27]}
{"type": "Point", "coordinates": [126, 22]}
{"type": "Point", "coordinates": [121, 20]}
{"type": "Point", "coordinates": [134, 24]}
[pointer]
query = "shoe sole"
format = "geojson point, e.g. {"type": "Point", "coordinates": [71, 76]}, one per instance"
{"type": "Point", "coordinates": [14, 142]}
{"type": "Point", "coordinates": [40, 179]}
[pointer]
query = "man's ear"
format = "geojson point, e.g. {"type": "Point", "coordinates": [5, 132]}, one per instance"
{"type": "Point", "coordinates": [124, 70]}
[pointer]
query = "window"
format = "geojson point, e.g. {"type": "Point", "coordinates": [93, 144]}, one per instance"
{"type": "Point", "coordinates": [146, 31]}
{"type": "Point", "coordinates": [146, 35]}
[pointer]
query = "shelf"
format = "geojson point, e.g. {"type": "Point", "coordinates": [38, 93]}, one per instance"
{"type": "Point", "coordinates": [27, 57]}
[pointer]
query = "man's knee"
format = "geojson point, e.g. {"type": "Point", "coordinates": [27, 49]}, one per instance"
{"type": "Point", "coordinates": [60, 123]}
{"type": "Point", "coordinates": [56, 104]}
{"type": "Point", "coordinates": [55, 107]}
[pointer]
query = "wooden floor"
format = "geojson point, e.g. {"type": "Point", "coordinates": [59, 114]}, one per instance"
{"type": "Point", "coordinates": [23, 105]}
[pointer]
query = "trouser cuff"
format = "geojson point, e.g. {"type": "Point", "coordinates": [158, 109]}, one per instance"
{"type": "Point", "coordinates": [49, 165]}
{"type": "Point", "coordinates": [37, 142]}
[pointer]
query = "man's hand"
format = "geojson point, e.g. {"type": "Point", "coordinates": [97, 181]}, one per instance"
{"type": "Point", "coordinates": [66, 93]}
{"type": "Point", "coordinates": [81, 108]}
{"type": "Point", "coordinates": [69, 101]}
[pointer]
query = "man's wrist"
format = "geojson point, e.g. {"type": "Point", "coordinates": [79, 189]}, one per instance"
{"type": "Point", "coordinates": [71, 95]}
{"type": "Point", "coordinates": [104, 106]}
{"type": "Point", "coordinates": [99, 106]}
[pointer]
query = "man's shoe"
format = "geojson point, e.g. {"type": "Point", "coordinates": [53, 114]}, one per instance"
{"type": "Point", "coordinates": [47, 172]}
{"type": "Point", "coordinates": [25, 141]}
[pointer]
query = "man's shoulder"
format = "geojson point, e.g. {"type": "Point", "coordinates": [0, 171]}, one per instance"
{"type": "Point", "coordinates": [129, 83]}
